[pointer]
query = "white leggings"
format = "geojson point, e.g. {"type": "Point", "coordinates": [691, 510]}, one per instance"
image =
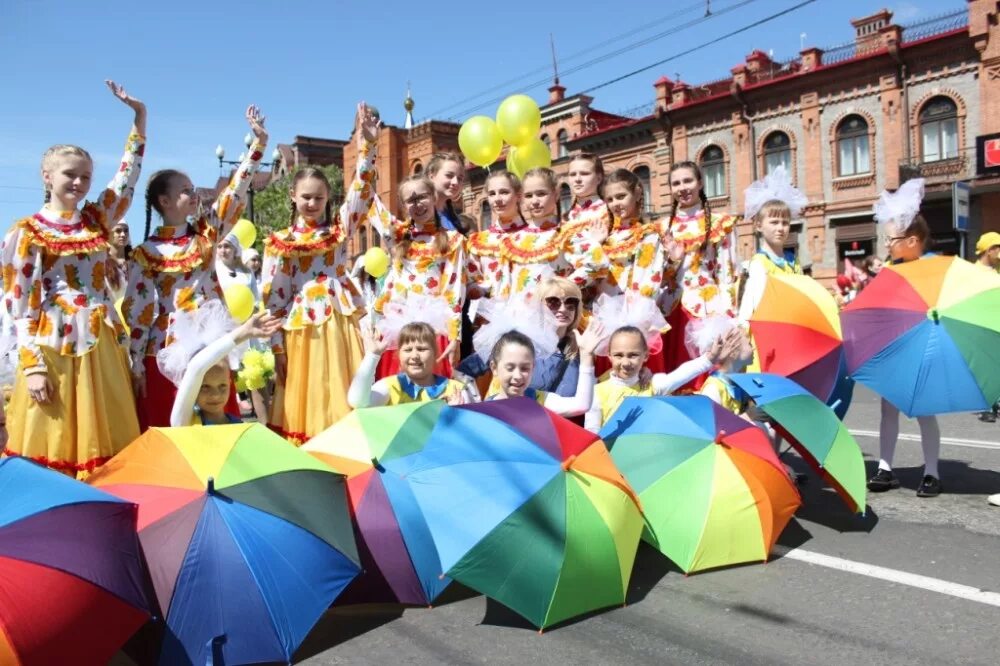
{"type": "Point", "coordinates": [930, 439]}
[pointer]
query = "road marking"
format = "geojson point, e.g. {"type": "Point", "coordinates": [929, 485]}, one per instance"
{"type": "Point", "coordinates": [950, 441]}
{"type": "Point", "coordinates": [892, 575]}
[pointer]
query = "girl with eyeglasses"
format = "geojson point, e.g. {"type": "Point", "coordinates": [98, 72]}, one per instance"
{"type": "Point", "coordinates": [427, 260]}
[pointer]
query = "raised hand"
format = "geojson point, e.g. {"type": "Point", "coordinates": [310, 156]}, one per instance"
{"type": "Point", "coordinates": [673, 249]}
{"type": "Point", "coordinates": [588, 340]}
{"type": "Point", "coordinates": [261, 325]}
{"type": "Point", "coordinates": [119, 92]}
{"type": "Point", "coordinates": [373, 341]}
{"type": "Point", "coordinates": [598, 231]}
{"type": "Point", "coordinates": [368, 122]}
{"type": "Point", "coordinates": [448, 353]}
{"type": "Point", "coordinates": [257, 120]}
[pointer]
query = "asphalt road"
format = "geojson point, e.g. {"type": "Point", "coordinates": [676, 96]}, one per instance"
{"type": "Point", "coordinates": [788, 611]}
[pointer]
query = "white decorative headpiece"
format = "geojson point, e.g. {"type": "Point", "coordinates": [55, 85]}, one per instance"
{"type": "Point", "coordinates": [416, 308]}
{"type": "Point", "coordinates": [702, 332]}
{"type": "Point", "coordinates": [901, 205]}
{"type": "Point", "coordinates": [776, 186]}
{"type": "Point", "coordinates": [630, 309]}
{"type": "Point", "coordinates": [522, 314]}
{"type": "Point", "coordinates": [192, 332]}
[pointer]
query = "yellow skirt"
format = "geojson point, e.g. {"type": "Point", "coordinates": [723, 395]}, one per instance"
{"type": "Point", "coordinates": [90, 415]}
{"type": "Point", "coordinates": [322, 361]}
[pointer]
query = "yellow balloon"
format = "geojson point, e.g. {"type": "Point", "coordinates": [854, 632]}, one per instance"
{"type": "Point", "coordinates": [376, 262]}
{"type": "Point", "coordinates": [512, 164]}
{"type": "Point", "coordinates": [533, 154]}
{"type": "Point", "coordinates": [519, 119]}
{"type": "Point", "coordinates": [239, 300]}
{"type": "Point", "coordinates": [245, 232]}
{"type": "Point", "coordinates": [480, 140]}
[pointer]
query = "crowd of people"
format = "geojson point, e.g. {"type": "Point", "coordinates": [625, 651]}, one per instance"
{"type": "Point", "coordinates": [576, 309]}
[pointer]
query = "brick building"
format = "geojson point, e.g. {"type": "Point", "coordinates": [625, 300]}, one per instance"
{"type": "Point", "coordinates": [893, 103]}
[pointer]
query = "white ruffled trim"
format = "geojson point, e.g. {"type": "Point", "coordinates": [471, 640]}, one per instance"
{"type": "Point", "coordinates": [193, 332]}
{"type": "Point", "coordinates": [525, 315]}
{"type": "Point", "coordinates": [416, 308]}
{"type": "Point", "coordinates": [776, 186]}
{"type": "Point", "coordinates": [901, 205]}
{"type": "Point", "coordinates": [630, 309]}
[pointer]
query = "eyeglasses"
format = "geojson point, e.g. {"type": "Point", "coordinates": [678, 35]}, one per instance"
{"type": "Point", "coordinates": [892, 239]}
{"type": "Point", "coordinates": [554, 303]}
{"type": "Point", "coordinates": [417, 198]}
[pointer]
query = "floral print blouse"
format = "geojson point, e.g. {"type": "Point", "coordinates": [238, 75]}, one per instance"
{"type": "Point", "coordinates": [306, 268]}
{"type": "Point", "coordinates": [705, 282]}
{"type": "Point", "coordinates": [174, 269]}
{"type": "Point", "coordinates": [636, 259]}
{"type": "Point", "coordinates": [482, 249]}
{"type": "Point", "coordinates": [542, 249]}
{"type": "Point", "coordinates": [55, 269]}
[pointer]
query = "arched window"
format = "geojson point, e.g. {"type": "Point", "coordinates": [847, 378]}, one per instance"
{"type": "Point", "coordinates": [939, 129]}
{"type": "Point", "coordinates": [853, 153]}
{"type": "Point", "coordinates": [547, 141]}
{"type": "Point", "coordinates": [565, 198]}
{"type": "Point", "coordinates": [642, 173]}
{"type": "Point", "coordinates": [485, 216]}
{"type": "Point", "coordinates": [713, 171]}
{"type": "Point", "coordinates": [562, 138]}
{"type": "Point", "coordinates": [777, 150]}
{"type": "Point", "coordinates": [418, 169]}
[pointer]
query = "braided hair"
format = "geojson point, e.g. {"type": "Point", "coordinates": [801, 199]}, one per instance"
{"type": "Point", "coordinates": [696, 170]}
{"type": "Point", "coordinates": [157, 186]}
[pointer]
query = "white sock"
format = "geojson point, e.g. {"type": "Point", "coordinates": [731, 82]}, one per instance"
{"type": "Point", "coordinates": [930, 440]}
{"type": "Point", "coordinates": [888, 433]}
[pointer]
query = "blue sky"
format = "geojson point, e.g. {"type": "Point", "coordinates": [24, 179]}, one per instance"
{"type": "Point", "coordinates": [198, 65]}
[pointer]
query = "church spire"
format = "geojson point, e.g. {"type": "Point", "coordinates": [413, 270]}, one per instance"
{"type": "Point", "coordinates": [408, 105]}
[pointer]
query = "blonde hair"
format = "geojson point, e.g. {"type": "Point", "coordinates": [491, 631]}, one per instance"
{"type": "Point", "coordinates": [556, 286]}
{"type": "Point", "coordinates": [51, 156]}
{"type": "Point", "coordinates": [551, 181]}
{"type": "Point", "coordinates": [775, 207]}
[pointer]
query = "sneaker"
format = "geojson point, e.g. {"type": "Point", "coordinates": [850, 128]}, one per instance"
{"type": "Point", "coordinates": [994, 499]}
{"type": "Point", "coordinates": [929, 487]}
{"type": "Point", "coordinates": [882, 481]}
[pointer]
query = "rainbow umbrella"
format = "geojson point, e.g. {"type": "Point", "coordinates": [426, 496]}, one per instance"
{"type": "Point", "coordinates": [398, 557]}
{"type": "Point", "coordinates": [71, 581]}
{"type": "Point", "coordinates": [247, 539]}
{"type": "Point", "coordinates": [526, 508]}
{"type": "Point", "coordinates": [814, 430]}
{"type": "Point", "coordinates": [713, 491]}
{"type": "Point", "coordinates": [925, 335]}
{"type": "Point", "coordinates": [796, 332]}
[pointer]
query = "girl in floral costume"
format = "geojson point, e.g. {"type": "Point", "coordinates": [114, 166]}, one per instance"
{"type": "Point", "coordinates": [68, 410]}
{"type": "Point", "coordinates": [174, 270]}
{"type": "Point", "coordinates": [306, 281]}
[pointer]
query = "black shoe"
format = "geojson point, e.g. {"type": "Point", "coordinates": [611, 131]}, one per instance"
{"type": "Point", "coordinates": [987, 417]}
{"type": "Point", "coordinates": [882, 481]}
{"type": "Point", "coordinates": [800, 479]}
{"type": "Point", "coordinates": [929, 487]}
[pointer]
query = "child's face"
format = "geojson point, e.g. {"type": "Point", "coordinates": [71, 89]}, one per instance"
{"type": "Point", "coordinates": [214, 391]}
{"type": "Point", "coordinates": [310, 196]}
{"type": "Point", "coordinates": [901, 247]}
{"type": "Point", "coordinates": [621, 200]}
{"type": "Point", "coordinates": [68, 179]}
{"type": "Point", "coordinates": [120, 235]}
{"type": "Point", "coordinates": [449, 179]}
{"type": "Point", "coordinates": [628, 354]}
{"type": "Point", "coordinates": [539, 198]}
{"type": "Point", "coordinates": [416, 358]}
{"type": "Point", "coordinates": [685, 186]}
{"type": "Point", "coordinates": [513, 369]}
{"type": "Point", "coordinates": [419, 202]}
{"type": "Point", "coordinates": [503, 199]}
{"type": "Point", "coordinates": [227, 253]}
{"type": "Point", "coordinates": [773, 228]}
{"type": "Point", "coordinates": [254, 264]}
{"type": "Point", "coordinates": [180, 200]}
{"type": "Point", "coordinates": [583, 178]}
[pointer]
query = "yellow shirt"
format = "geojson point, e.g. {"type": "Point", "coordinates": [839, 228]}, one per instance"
{"type": "Point", "coordinates": [610, 395]}
{"type": "Point", "coordinates": [402, 391]}
{"type": "Point", "coordinates": [720, 391]}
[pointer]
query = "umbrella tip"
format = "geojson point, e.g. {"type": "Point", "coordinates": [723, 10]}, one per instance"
{"type": "Point", "coordinates": [568, 462]}
{"type": "Point", "coordinates": [376, 465]}
{"type": "Point", "coordinates": [934, 316]}
{"type": "Point", "coordinates": [211, 485]}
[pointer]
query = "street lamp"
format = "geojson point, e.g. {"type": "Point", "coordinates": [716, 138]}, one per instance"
{"type": "Point", "coordinates": [220, 153]}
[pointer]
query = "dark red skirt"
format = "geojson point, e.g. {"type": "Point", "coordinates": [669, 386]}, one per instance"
{"type": "Point", "coordinates": [675, 351]}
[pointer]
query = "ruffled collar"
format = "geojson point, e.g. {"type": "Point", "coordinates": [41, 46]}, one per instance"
{"type": "Point", "coordinates": [434, 391]}
{"type": "Point", "coordinates": [500, 226]}
{"type": "Point", "coordinates": [622, 224]}
{"type": "Point", "coordinates": [64, 218]}
{"type": "Point", "coordinates": [166, 233]}
{"type": "Point", "coordinates": [545, 224]}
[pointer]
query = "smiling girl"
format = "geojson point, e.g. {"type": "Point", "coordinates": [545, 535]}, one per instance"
{"type": "Point", "coordinates": [71, 409]}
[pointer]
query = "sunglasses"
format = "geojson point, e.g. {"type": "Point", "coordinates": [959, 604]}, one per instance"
{"type": "Point", "coordinates": [554, 302]}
